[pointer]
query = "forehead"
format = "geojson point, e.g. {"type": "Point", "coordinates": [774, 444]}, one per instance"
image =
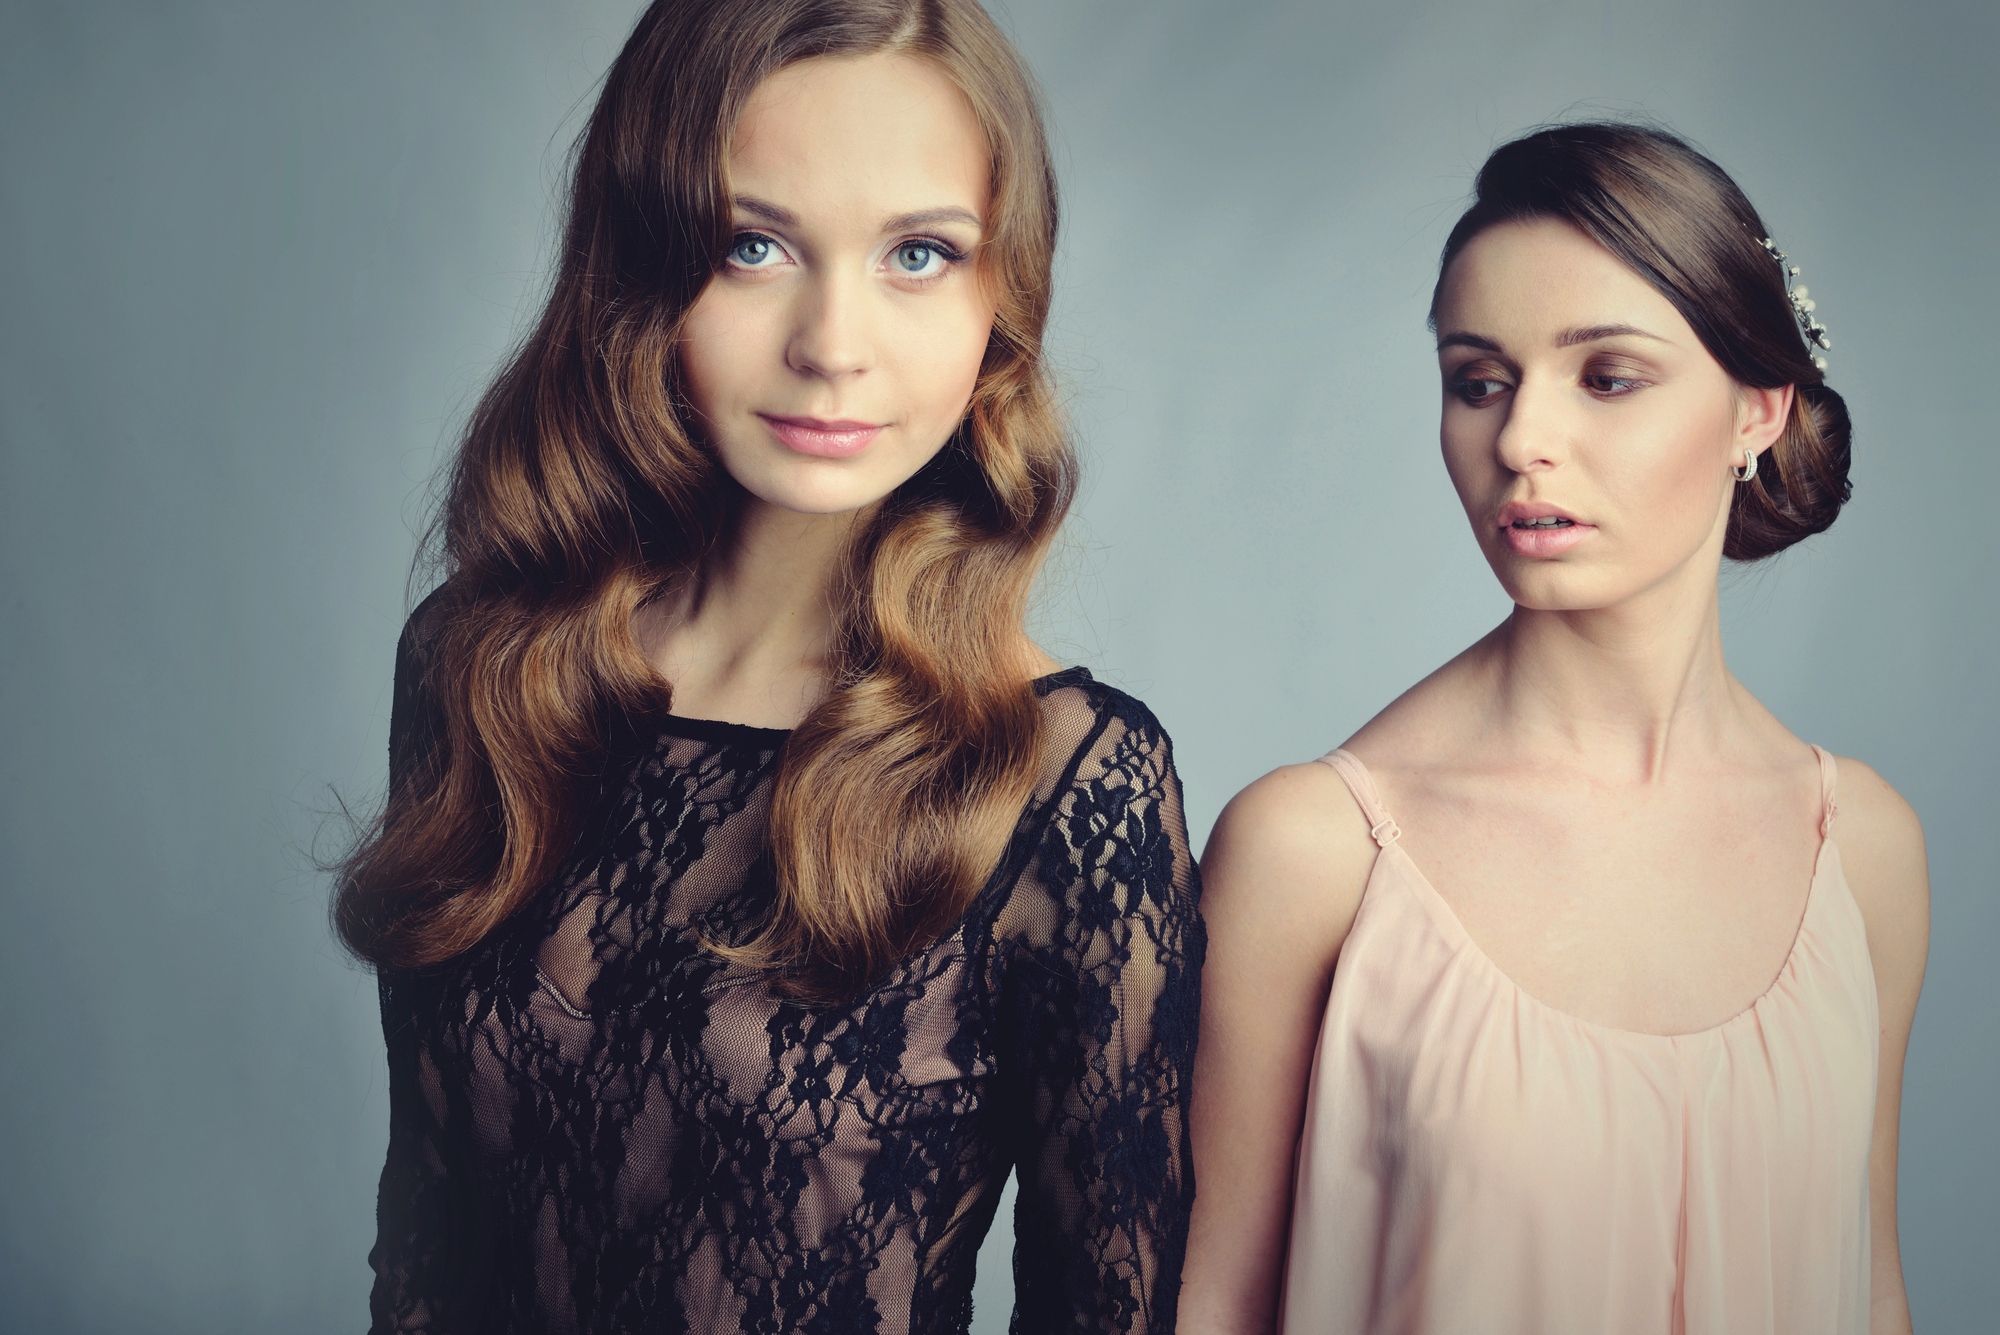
{"type": "Point", "coordinates": [1543, 276]}
{"type": "Point", "coordinates": [878, 134]}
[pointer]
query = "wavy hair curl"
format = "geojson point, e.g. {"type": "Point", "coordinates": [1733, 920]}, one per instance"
{"type": "Point", "coordinates": [579, 493]}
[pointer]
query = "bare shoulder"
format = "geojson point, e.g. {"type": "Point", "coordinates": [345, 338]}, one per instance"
{"type": "Point", "coordinates": [1292, 854]}
{"type": "Point", "coordinates": [1877, 828]}
{"type": "Point", "coordinates": [1870, 808]}
{"type": "Point", "coordinates": [1882, 850]}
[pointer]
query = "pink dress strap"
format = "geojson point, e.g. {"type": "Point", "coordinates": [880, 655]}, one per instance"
{"type": "Point", "coordinates": [1381, 825]}
{"type": "Point", "coordinates": [1828, 775]}
{"type": "Point", "coordinates": [1474, 1159]}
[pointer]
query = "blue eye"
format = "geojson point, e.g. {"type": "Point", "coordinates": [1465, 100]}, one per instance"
{"type": "Point", "coordinates": [921, 259]}
{"type": "Point", "coordinates": [754, 251]}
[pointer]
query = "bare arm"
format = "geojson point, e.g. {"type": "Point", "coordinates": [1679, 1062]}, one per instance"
{"type": "Point", "coordinates": [1882, 848]}
{"type": "Point", "coordinates": [1282, 877]}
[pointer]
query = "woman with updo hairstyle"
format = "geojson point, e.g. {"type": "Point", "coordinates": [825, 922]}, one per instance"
{"type": "Point", "coordinates": [753, 896]}
{"type": "Point", "coordinates": [1571, 993]}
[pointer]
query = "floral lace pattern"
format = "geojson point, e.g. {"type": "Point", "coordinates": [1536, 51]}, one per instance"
{"type": "Point", "coordinates": [598, 1125]}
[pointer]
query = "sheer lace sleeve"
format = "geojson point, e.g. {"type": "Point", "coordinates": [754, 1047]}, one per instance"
{"type": "Point", "coordinates": [423, 1219]}
{"type": "Point", "coordinates": [422, 1211]}
{"type": "Point", "coordinates": [1100, 951]}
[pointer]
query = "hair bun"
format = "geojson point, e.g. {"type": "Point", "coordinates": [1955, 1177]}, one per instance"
{"type": "Point", "coordinates": [1804, 482]}
{"type": "Point", "coordinates": [1678, 221]}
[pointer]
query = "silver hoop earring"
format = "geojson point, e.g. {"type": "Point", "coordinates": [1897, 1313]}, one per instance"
{"type": "Point", "coordinates": [1747, 471]}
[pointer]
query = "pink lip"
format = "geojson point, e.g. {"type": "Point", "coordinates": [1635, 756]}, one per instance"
{"type": "Point", "coordinates": [1540, 542]}
{"type": "Point", "coordinates": [820, 438]}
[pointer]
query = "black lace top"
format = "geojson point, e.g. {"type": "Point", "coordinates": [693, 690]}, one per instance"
{"type": "Point", "coordinates": [597, 1125]}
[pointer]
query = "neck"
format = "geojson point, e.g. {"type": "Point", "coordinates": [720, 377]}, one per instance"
{"type": "Point", "coordinates": [768, 585]}
{"type": "Point", "coordinates": [747, 640]}
{"type": "Point", "coordinates": [1624, 685]}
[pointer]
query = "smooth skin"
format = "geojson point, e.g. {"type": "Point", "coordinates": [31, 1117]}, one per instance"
{"type": "Point", "coordinates": [852, 294]}
{"type": "Point", "coordinates": [1615, 819]}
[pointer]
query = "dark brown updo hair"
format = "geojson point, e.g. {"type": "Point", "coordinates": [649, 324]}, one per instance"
{"type": "Point", "coordinates": [1678, 221]}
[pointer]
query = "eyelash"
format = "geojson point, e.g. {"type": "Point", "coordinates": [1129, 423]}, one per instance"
{"type": "Point", "coordinates": [1462, 383]}
{"type": "Point", "coordinates": [950, 254]}
{"type": "Point", "coordinates": [1631, 384]}
{"type": "Point", "coordinates": [737, 241]}
{"type": "Point", "coordinates": [1461, 386]}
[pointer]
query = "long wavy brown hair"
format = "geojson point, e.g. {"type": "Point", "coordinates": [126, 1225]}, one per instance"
{"type": "Point", "coordinates": [580, 492]}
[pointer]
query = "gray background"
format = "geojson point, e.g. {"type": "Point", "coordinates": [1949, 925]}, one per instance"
{"type": "Point", "coordinates": [256, 258]}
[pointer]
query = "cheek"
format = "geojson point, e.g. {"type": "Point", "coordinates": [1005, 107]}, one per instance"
{"type": "Point", "coordinates": [1466, 438]}
{"type": "Point", "coordinates": [705, 370]}
{"type": "Point", "coordinates": [1671, 479]}
{"type": "Point", "coordinates": [732, 345]}
{"type": "Point", "coordinates": [940, 354]}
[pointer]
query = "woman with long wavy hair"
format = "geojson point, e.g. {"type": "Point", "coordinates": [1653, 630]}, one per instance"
{"type": "Point", "coordinates": [752, 895]}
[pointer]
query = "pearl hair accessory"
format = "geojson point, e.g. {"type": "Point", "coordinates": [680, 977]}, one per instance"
{"type": "Point", "coordinates": [1802, 306]}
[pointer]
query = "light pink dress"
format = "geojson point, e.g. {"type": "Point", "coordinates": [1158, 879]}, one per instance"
{"type": "Point", "coordinates": [1476, 1161]}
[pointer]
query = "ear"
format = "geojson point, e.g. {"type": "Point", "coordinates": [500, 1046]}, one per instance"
{"type": "Point", "coordinates": [1761, 417]}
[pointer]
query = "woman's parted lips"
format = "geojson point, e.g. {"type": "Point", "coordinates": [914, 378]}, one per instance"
{"type": "Point", "coordinates": [1525, 514]}
{"type": "Point", "coordinates": [1539, 531]}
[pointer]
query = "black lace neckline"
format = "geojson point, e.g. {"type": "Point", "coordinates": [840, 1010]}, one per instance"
{"type": "Point", "coordinates": [598, 1124]}
{"type": "Point", "coordinates": [716, 730]}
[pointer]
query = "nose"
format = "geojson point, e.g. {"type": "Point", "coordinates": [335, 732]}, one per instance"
{"type": "Point", "coordinates": [1535, 434]}
{"type": "Point", "coordinates": [830, 336]}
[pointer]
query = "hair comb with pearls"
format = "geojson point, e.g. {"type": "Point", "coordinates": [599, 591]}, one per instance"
{"type": "Point", "coordinates": [1802, 306]}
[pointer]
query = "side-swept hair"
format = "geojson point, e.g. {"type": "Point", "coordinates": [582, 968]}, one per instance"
{"type": "Point", "coordinates": [1679, 222]}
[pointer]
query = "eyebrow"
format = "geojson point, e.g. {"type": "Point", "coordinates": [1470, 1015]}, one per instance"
{"type": "Point", "coordinates": [783, 217]}
{"type": "Point", "coordinates": [1569, 338]}
{"type": "Point", "coordinates": [766, 210]}
{"type": "Point", "coordinates": [931, 218]}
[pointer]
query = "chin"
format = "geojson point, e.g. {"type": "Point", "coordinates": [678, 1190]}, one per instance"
{"type": "Point", "coordinates": [812, 489]}
{"type": "Point", "coordinates": [816, 500]}
{"type": "Point", "coordinates": [1547, 587]}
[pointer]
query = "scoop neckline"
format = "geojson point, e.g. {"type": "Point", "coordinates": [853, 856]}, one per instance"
{"type": "Point", "coordinates": [1446, 920]}
{"type": "Point", "coordinates": [1447, 923]}
{"type": "Point", "coordinates": [715, 729]}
